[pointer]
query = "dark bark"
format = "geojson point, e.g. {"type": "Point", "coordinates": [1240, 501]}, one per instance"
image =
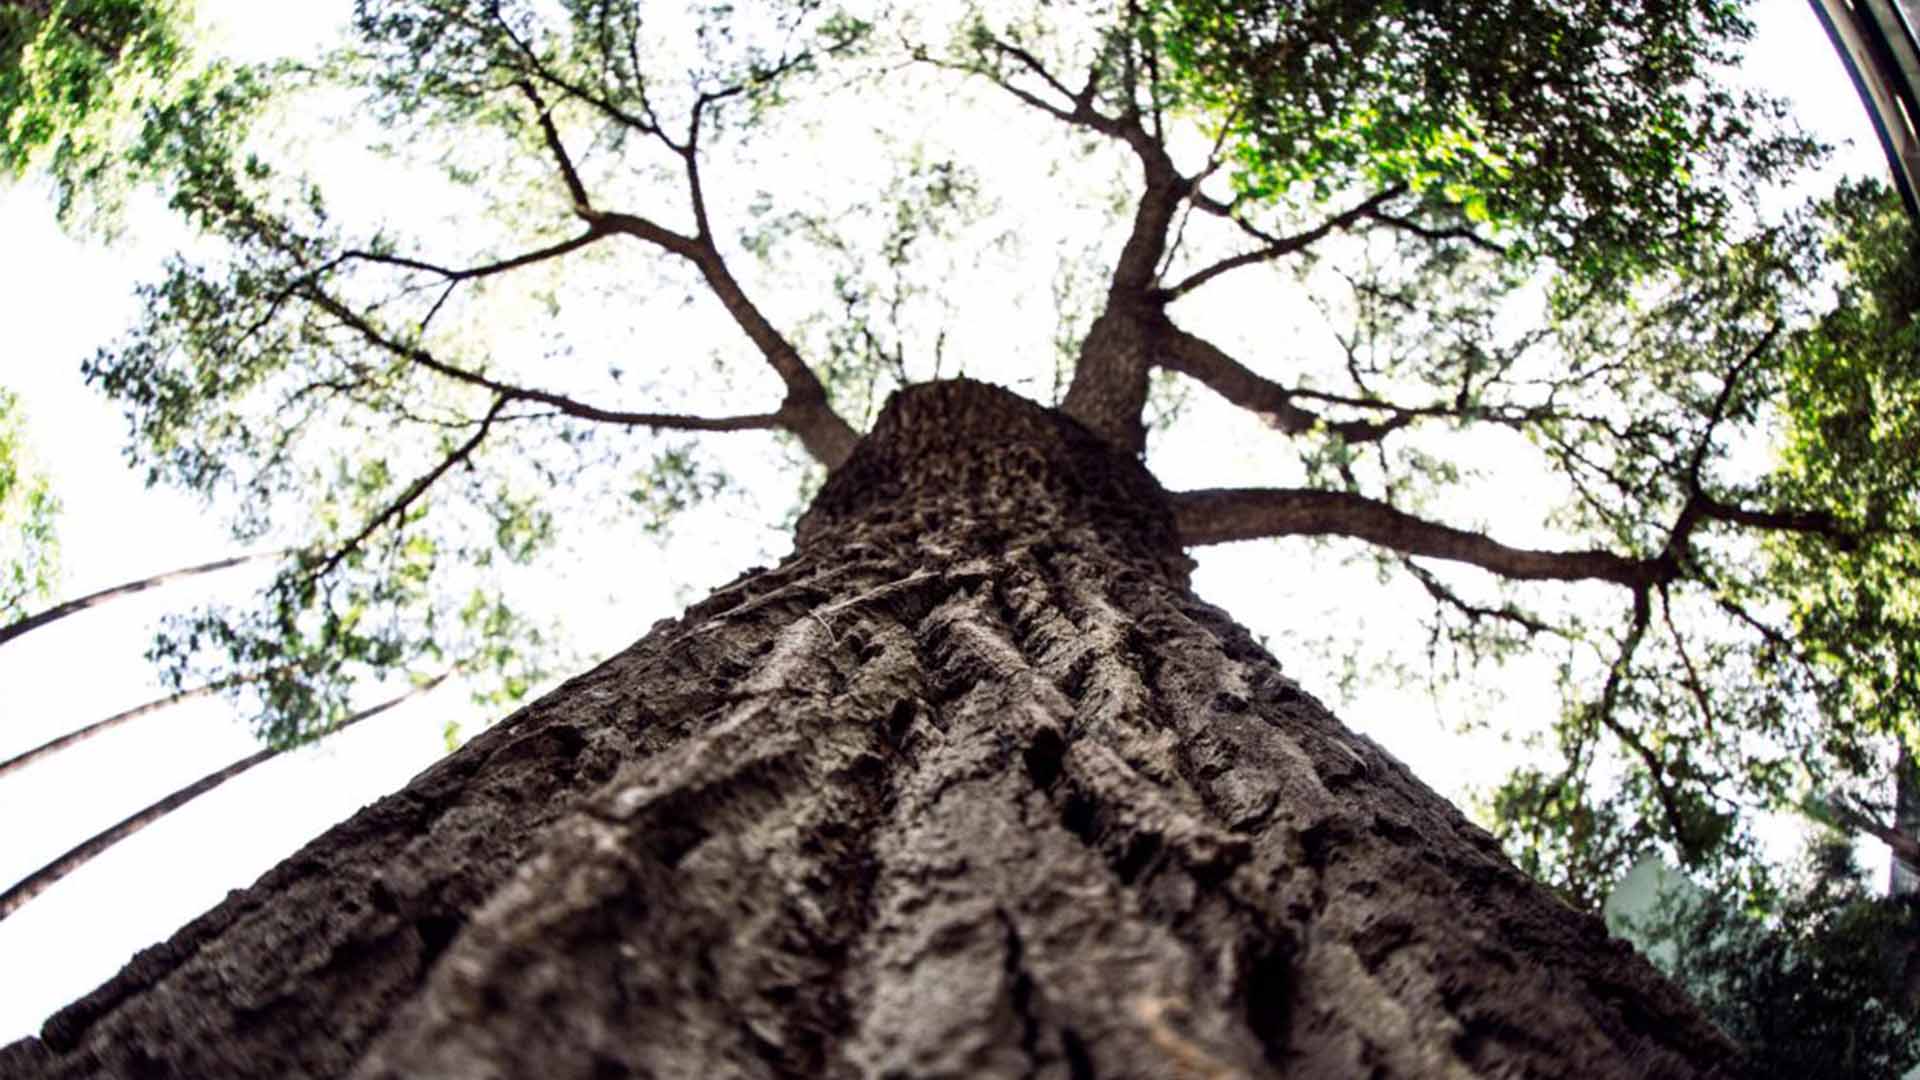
{"type": "Point", "coordinates": [1903, 879]}
{"type": "Point", "coordinates": [971, 785]}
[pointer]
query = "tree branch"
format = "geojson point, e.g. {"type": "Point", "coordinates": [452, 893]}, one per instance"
{"type": "Point", "coordinates": [80, 854]}
{"type": "Point", "coordinates": [1223, 515]}
{"type": "Point", "coordinates": [565, 405]}
{"type": "Point", "coordinates": [806, 413]}
{"type": "Point", "coordinates": [1279, 247]}
{"type": "Point", "coordinates": [1445, 596]}
{"type": "Point", "coordinates": [1428, 232]}
{"type": "Point", "coordinates": [1905, 848]}
{"type": "Point", "coordinates": [1694, 685]}
{"type": "Point", "coordinates": [1609, 697]}
{"type": "Point", "coordinates": [1082, 114]}
{"type": "Point", "coordinates": [485, 270]}
{"type": "Point", "coordinates": [646, 125]}
{"type": "Point", "coordinates": [582, 205]}
{"type": "Point", "coordinates": [100, 727]}
{"type": "Point", "coordinates": [1816, 522]}
{"type": "Point", "coordinates": [73, 607]}
{"type": "Point", "coordinates": [1200, 359]}
{"type": "Point", "coordinates": [414, 490]}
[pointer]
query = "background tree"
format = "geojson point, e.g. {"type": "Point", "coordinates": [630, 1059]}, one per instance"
{"type": "Point", "coordinates": [1822, 987]}
{"type": "Point", "coordinates": [74, 75]}
{"type": "Point", "coordinates": [1823, 668]}
{"type": "Point", "coordinates": [93, 94]}
{"type": "Point", "coordinates": [428, 401]}
{"type": "Point", "coordinates": [29, 545]}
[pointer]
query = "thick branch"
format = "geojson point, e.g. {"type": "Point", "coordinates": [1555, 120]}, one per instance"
{"type": "Point", "coordinates": [1223, 515]}
{"type": "Point", "coordinates": [1200, 359]}
{"type": "Point", "coordinates": [1165, 188]}
{"type": "Point", "coordinates": [1817, 522]}
{"type": "Point", "coordinates": [73, 607]}
{"type": "Point", "coordinates": [1108, 392]}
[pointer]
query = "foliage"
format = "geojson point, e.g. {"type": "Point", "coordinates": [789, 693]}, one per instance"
{"type": "Point", "coordinates": [1852, 449]}
{"type": "Point", "coordinates": [1822, 988]}
{"type": "Point", "coordinates": [1592, 134]}
{"type": "Point", "coordinates": [1817, 678]}
{"type": "Point", "coordinates": [519, 263]}
{"type": "Point", "coordinates": [74, 75]}
{"type": "Point", "coordinates": [29, 545]}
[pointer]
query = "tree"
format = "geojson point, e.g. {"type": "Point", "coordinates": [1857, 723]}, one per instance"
{"type": "Point", "coordinates": [101, 98]}
{"type": "Point", "coordinates": [970, 783]}
{"type": "Point", "coordinates": [25, 623]}
{"type": "Point", "coordinates": [73, 73]}
{"type": "Point", "coordinates": [947, 793]}
{"type": "Point", "coordinates": [1823, 988]}
{"type": "Point", "coordinates": [29, 544]}
{"type": "Point", "coordinates": [1822, 601]}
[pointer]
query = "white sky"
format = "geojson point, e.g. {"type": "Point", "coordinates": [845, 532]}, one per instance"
{"type": "Point", "coordinates": [59, 299]}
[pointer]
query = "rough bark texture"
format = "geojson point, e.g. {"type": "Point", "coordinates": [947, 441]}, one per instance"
{"type": "Point", "coordinates": [970, 786]}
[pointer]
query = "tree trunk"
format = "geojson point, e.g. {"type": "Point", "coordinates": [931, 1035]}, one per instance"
{"type": "Point", "coordinates": [1902, 879]}
{"type": "Point", "coordinates": [969, 786]}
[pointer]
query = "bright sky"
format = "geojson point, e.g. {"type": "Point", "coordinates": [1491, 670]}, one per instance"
{"type": "Point", "coordinates": [59, 300]}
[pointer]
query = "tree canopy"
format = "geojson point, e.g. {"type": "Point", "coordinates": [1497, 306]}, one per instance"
{"type": "Point", "coordinates": [75, 76]}
{"type": "Point", "coordinates": [497, 274]}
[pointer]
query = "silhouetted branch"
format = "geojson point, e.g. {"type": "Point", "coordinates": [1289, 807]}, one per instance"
{"type": "Point", "coordinates": [565, 405]}
{"type": "Point", "coordinates": [414, 490]}
{"type": "Point", "coordinates": [101, 727]}
{"type": "Point", "coordinates": [1200, 359]}
{"type": "Point", "coordinates": [1279, 247]}
{"type": "Point", "coordinates": [1226, 514]}
{"type": "Point", "coordinates": [79, 855]}
{"type": "Point", "coordinates": [73, 607]}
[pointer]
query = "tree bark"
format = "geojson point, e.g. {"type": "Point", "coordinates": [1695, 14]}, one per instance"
{"type": "Point", "coordinates": [1902, 878]}
{"type": "Point", "coordinates": [971, 785]}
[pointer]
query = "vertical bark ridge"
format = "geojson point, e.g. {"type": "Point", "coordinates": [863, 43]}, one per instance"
{"type": "Point", "coordinates": [970, 786]}
{"type": "Point", "coordinates": [296, 975]}
{"type": "Point", "coordinates": [1006, 945]}
{"type": "Point", "coordinates": [688, 913]}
